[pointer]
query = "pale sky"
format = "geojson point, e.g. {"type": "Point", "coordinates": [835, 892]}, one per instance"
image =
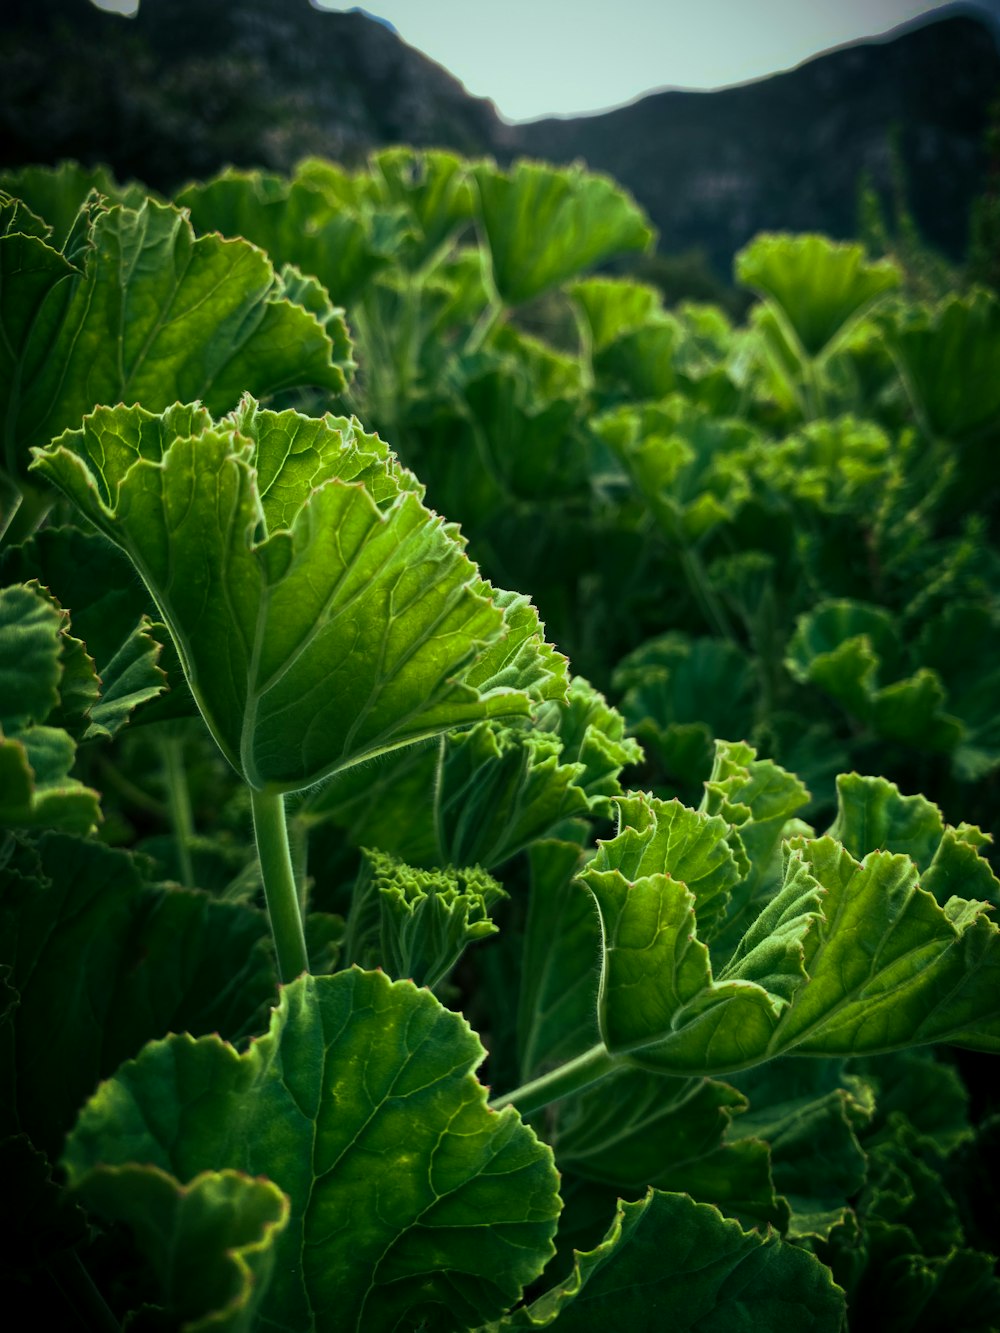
{"type": "Point", "coordinates": [568, 57]}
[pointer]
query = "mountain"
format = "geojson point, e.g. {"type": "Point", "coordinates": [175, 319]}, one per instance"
{"type": "Point", "coordinates": [789, 152]}
{"type": "Point", "coordinates": [187, 86]}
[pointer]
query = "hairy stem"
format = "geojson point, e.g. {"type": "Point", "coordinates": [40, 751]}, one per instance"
{"type": "Point", "coordinates": [280, 890]}
{"type": "Point", "coordinates": [573, 1076]}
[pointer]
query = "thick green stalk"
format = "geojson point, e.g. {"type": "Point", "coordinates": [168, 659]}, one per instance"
{"type": "Point", "coordinates": [573, 1076]}
{"type": "Point", "coordinates": [279, 883]}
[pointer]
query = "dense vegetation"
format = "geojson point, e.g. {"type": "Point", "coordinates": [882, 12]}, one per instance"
{"type": "Point", "coordinates": [710, 876]}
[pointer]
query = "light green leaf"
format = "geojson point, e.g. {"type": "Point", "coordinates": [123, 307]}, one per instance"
{"type": "Point", "coordinates": [690, 469]}
{"type": "Point", "coordinates": [433, 188]}
{"type": "Point", "coordinates": [152, 316]}
{"type": "Point", "coordinates": [691, 847]}
{"type": "Point", "coordinates": [356, 627]}
{"type": "Point", "coordinates": [872, 815]}
{"type": "Point", "coordinates": [610, 307]}
{"type": "Point", "coordinates": [818, 288]}
{"type": "Point", "coordinates": [668, 1262]}
{"type": "Point", "coordinates": [304, 220]}
{"type": "Point", "coordinates": [760, 800]}
{"type": "Point", "coordinates": [545, 224]}
{"type": "Point", "coordinates": [211, 1243]}
{"type": "Point", "coordinates": [845, 959]}
{"type": "Point", "coordinates": [465, 1199]}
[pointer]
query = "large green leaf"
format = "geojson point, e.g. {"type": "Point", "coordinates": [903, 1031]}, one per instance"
{"type": "Point", "coordinates": [103, 962]}
{"type": "Point", "coordinates": [146, 313]}
{"type": "Point", "coordinates": [322, 614]}
{"type": "Point", "coordinates": [545, 224]}
{"type": "Point", "coordinates": [668, 1262]}
{"type": "Point", "coordinates": [411, 1203]}
{"type": "Point", "coordinates": [818, 288]}
{"type": "Point", "coordinates": [847, 958]}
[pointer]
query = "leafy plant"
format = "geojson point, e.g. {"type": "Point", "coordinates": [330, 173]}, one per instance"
{"type": "Point", "coordinates": [296, 798]}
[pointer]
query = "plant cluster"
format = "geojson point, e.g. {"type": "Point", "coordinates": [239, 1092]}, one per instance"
{"type": "Point", "coordinates": [296, 797]}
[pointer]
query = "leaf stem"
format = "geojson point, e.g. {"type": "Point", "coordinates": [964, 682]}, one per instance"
{"type": "Point", "coordinates": [573, 1076]}
{"type": "Point", "coordinates": [282, 896]}
{"type": "Point", "coordinates": [179, 799]}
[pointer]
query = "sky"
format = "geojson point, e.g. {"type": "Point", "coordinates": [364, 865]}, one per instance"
{"type": "Point", "coordinates": [569, 57]}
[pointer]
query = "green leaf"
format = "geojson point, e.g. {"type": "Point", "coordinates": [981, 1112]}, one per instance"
{"type": "Point", "coordinates": [103, 963]}
{"type": "Point", "coordinates": [303, 221]}
{"type": "Point", "coordinates": [557, 1006]}
{"type": "Point", "coordinates": [847, 958]}
{"type": "Point", "coordinates": [680, 694]}
{"type": "Point", "coordinates": [357, 626]}
{"type": "Point", "coordinates": [690, 469]}
{"type": "Point", "coordinates": [545, 224]}
{"type": "Point", "coordinates": [667, 838]}
{"type": "Point", "coordinates": [872, 814]}
{"type": "Point", "coordinates": [760, 801]}
{"type": "Point", "coordinates": [949, 358]}
{"type": "Point", "coordinates": [612, 306]}
{"type": "Point", "coordinates": [58, 193]}
{"type": "Point", "coordinates": [635, 1129]}
{"type": "Point", "coordinates": [434, 189]}
{"type": "Point", "coordinates": [45, 678]}
{"type": "Point", "coordinates": [153, 316]}
{"type": "Point", "coordinates": [416, 924]}
{"type": "Point", "coordinates": [110, 614]}
{"type": "Point", "coordinates": [846, 648]}
{"type": "Point", "coordinates": [818, 288]}
{"type": "Point", "coordinates": [809, 1115]}
{"type": "Point", "coordinates": [668, 1262]}
{"type": "Point", "coordinates": [466, 1198]}
{"type": "Point", "coordinates": [482, 795]}
{"type": "Point", "coordinates": [211, 1243]}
